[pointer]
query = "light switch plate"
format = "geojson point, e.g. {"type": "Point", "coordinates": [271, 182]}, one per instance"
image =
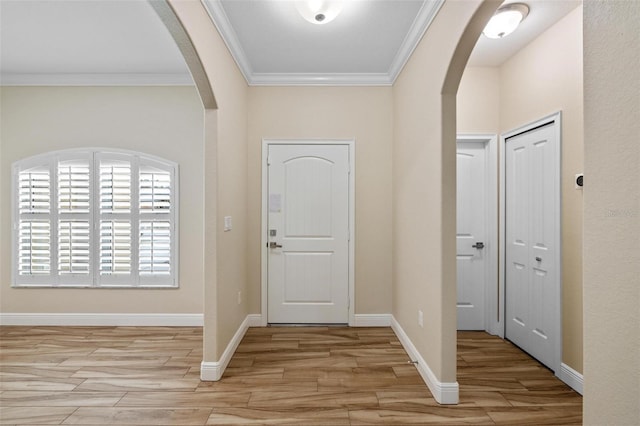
{"type": "Point", "coordinates": [227, 223]}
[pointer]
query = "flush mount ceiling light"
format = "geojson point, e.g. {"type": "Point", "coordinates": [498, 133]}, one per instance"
{"type": "Point", "coordinates": [319, 11]}
{"type": "Point", "coordinates": [506, 20]}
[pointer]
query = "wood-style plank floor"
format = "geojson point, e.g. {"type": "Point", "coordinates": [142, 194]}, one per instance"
{"type": "Point", "coordinates": [279, 375]}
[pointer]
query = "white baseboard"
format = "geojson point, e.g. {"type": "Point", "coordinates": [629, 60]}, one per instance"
{"type": "Point", "coordinates": [372, 320]}
{"type": "Point", "coordinates": [212, 371]}
{"type": "Point", "coordinates": [159, 320]}
{"type": "Point", "coordinates": [254, 320]}
{"type": "Point", "coordinates": [443, 392]}
{"type": "Point", "coordinates": [571, 377]}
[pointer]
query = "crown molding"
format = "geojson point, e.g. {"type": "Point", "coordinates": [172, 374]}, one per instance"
{"type": "Point", "coordinates": [108, 79]}
{"type": "Point", "coordinates": [420, 25]}
{"type": "Point", "coordinates": [221, 21]}
{"type": "Point", "coordinates": [423, 21]}
{"type": "Point", "coordinates": [308, 79]}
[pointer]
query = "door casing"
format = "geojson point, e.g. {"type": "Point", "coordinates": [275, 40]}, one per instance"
{"type": "Point", "coordinates": [556, 119]}
{"type": "Point", "coordinates": [265, 215]}
{"type": "Point", "coordinates": [492, 319]}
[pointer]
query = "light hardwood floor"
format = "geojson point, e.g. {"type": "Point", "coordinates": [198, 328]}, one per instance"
{"type": "Point", "coordinates": [288, 375]}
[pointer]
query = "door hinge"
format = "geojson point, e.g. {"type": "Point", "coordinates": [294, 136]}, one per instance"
{"type": "Point", "coordinates": [268, 160]}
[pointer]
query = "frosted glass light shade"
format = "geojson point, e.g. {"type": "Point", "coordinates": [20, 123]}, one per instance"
{"type": "Point", "coordinates": [319, 11]}
{"type": "Point", "coordinates": [506, 20]}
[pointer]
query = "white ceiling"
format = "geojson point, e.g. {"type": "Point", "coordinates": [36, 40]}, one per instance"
{"type": "Point", "coordinates": [368, 42]}
{"type": "Point", "coordinates": [82, 42]}
{"type": "Point", "coordinates": [542, 15]}
{"type": "Point", "coordinates": [86, 42]}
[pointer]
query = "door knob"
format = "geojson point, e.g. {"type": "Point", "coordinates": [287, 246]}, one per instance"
{"type": "Point", "coordinates": [539, 259]}
{"type": "Point", "coordinates": [273, 244]}
{"type": "Point", "coordinates": [479, 245]}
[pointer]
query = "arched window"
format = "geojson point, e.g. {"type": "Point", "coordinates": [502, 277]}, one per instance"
{"type": "Point", "coordinates": [95, 218]}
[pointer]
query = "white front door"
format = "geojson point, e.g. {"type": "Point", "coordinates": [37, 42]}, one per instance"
{"type": "Point", "coordinates": [308, 227]}
{"type": "Point", "coordinates": [532, 227]}
{"type": "Point", "coordinates": [471, 234]}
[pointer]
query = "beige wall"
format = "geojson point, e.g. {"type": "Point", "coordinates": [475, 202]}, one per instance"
{"type": "Point", "coordinates": [612, 213]}
{"type": "Point", "coordinates": [363, 113]}
{"type": "Point", "coordinates": [225, 179]}
{"type": "Point", "coordinates": [420, 188]}
{"type": "Point", "coordinates": [163, 121]}
{"type": "Point", "coordinates": [478, 101]}
{"type": "Point", "coordinates": [544, 77]}
{"type": "Point", "coordinates": [167, 122]}
{"type": "Point", "coordinates": [424, 183]}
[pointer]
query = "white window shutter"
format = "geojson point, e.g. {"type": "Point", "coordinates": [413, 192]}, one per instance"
{"type": "Point", "coordinates": [93, 218]}
{"type": "Point", "coordinates": [155, 248]}
{"type": "Point", "coordinates": [74, 221]}
{"type": "Point", "coordinates": [156, 226]}
{"type": "Point", "coordinates": [115, 186]}
{"type": "Point", "coordinates": [74, 247]}
{"type": "Point", "coordinates": [34, 248]}
{"type": "Point", "coordinates": [74, 182]}
{"type": "Point", "coordinates": [34, 191]}
{"type": "Point", "coordinates": [115, 218]}
{"type": "Point", "coordinates": [32, 229]}
{"type": "Point", "coordinates": [115, 247]}
{"type": "Point", "coordinates": [155, 190]}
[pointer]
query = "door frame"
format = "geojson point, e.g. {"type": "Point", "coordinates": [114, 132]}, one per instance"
{"type": "Point", "coordinates": [350, 143]}
{"type": "Point", "coordinates": [556, 118]}
{"type": "Point", "coordinates": [491, 290]}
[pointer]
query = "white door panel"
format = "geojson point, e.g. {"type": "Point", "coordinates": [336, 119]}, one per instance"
{"type": "Point", "coordinates": [471, 229]}
{"type": "Point", "coordinates": [308, 265]}
{"type": "Point", "coordinates": [531, 233]}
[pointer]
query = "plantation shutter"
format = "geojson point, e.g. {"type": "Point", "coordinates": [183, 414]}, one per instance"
{"type": "Point", "coordinates": [35, 247]}
{"type": "Point", "coordinates": [74, 255]}
{"type": "Point", "coordinates": [74, 184]}
{"type": "Point", "coordinates": [33, 225]}
{"type": "Point", "coordinates": [116, 240]}
{"type": "Point", "coordinates": [87, 218]}
{"type": "Point", "coordinates": [155, 190]}
{"type": "Point", "coordinates": [34, 189]}
{"type": "Point", "coordinates": [74, 219]}
{"type": "Point", "coordinates": [115, 247]}
{"type": "Point", "coordinates": [156, 224]}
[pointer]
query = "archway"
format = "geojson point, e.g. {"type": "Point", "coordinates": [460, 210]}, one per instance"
{"type": "Point", "coordinates": [225, 136]}
{"type": "Point", "coordinates": [425, 152]}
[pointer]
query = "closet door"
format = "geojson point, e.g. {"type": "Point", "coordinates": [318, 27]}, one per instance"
{"type": "Point", "coordinates": [532, 228]}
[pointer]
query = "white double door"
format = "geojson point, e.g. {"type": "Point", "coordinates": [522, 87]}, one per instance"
{"type": "Point", "coordinates": [471, 234]}
{"type": "Point", "coordinates": [531, 248]}
{"type": "Point", "coordinates": [308, 233]}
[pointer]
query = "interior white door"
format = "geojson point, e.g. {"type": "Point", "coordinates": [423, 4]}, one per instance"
{"type": "Point", "coordinates": [471, 235]}
{"type": "Point", "coordinates": [308, 225]}
{"type": "Point", "coordinates": [531, 285]}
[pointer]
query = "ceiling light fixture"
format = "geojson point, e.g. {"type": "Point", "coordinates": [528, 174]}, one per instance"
{"type": "Point", "coordinates": [506, 20]}
{"type": "Point", "coordinates": [319, 11]}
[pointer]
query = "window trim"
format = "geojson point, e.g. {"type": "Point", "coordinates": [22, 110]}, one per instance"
{"type": "Point", "coordinates": [135, 280]}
